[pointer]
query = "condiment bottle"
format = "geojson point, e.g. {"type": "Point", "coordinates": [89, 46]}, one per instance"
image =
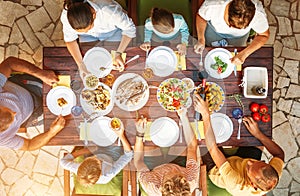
{"type": "Point", "coordinates": [258, 90]}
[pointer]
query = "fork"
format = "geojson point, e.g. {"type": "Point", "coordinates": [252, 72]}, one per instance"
{"type": "Point", "coordinates": [201, 61]}
{"type": "Point", "coordinates": [180, 131]}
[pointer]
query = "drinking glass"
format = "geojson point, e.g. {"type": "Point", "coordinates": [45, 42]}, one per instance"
{"type": "Point", "coordinates": [148, 73]}
{"type": "Point", "coordinates": [76, 110]}
{"type": "Point", "coordinates": [115, 124]}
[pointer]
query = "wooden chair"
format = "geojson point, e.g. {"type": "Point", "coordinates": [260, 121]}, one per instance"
{"type": "Point", "coordinates": [128, 178]}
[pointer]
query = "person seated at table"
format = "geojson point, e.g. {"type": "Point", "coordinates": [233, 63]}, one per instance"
{"type": "Point", "coordinates": [102, 167]}
{"type": "Point", "coordinates": [17, 104]}
{"type": "Point", "coordinates": [168, 178]}
{"type": "Point", "coordinates": [241, 176]}
{"type": "Point", "coordinates": [166, 27]}
{"type": "Point", "coordinates": [93, 21]}
{"type": "Point", "coordinates": [232, 21]}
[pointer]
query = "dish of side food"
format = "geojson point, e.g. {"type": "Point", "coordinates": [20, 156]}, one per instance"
{"type": "Point", "coordinates": [215, 96]}
{"type": "Point", "coordinates": [98, 100]}
{"type": "Point", "coordinates": [130, 91]}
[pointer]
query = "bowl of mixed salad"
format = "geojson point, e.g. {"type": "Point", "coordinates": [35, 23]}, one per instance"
{"type": "Point", "coordinates": [172, 94]}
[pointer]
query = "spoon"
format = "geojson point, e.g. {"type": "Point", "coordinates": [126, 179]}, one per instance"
{"type": "Point", "coordinates": [240, 120]}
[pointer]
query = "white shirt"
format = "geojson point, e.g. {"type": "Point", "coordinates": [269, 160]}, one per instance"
{"type": "Point", "coordinates": [20, 101]}
{"type": "Point", "coordinates": [109, 168]}
{"type": "Point", "coordinates": [109, 17]}
{"type": "Point", "coordinates": [213, 11]}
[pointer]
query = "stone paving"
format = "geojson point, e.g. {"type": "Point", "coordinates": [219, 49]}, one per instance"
{"type": "Point", "coordinates": [26, 26]}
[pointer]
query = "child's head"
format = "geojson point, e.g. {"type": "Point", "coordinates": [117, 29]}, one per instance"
{"type": "Point", "coordinates": [80, 15]}
{"type": "Point", "coordinates": [162, 20]}
{"type": "Point", "coordinates": [89, 171]}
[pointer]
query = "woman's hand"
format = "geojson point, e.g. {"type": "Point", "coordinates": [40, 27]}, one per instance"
{"type": "Point", "coordinates": [200, 105]}
{"type": "Point", "coordinates": [181, 49]}
{"type": "Point", "coordinates": [120, 64]}
{"type": "Point", "coordinates": [182, 112]}
{"type": "Point", "coordinates": [141, 126]}
{"type": "Point", "coordinates": [146, 46]}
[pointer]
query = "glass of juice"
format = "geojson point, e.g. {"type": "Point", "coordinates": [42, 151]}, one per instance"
{"type": "Point", "coordinates": [115, 124]}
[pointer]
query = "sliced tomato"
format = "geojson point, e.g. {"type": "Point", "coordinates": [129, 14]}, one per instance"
{"type": "Point", "coordinates": [219, 70]}
{"type": "Point", "coordinates": [176, 103]}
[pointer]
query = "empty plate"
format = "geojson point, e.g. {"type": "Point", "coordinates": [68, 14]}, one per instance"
{"type": "Point", "coordinates": [98, 57]}
{"type": "Point", "coordinates": [100, 132]}
{"type": "Point", "coordinates": [60, 92]}
{"type": "Point", "coordinates": [222, 126]}
{"type": "Point", "coordinates": [162, 60]}
{"type": "Point", "coordinates": [164, 132]}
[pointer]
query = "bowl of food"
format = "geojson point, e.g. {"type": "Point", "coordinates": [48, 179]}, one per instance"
{"type": "Point", "coordinates": [172, 94]}
{"type": "Point", "coordinates": [190, 85]}
{"type": "Point", "coordinates": [90, 81]}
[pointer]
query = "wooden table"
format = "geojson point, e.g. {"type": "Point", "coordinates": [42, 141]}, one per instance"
{"type": "Point", "coordinates": [59, 60]}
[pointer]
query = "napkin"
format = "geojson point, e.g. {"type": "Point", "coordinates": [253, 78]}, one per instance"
{"type": "Point", "coordinates": [64, 80]}
{"type": "Point", "coordinates": [200, 128]}
{"type": "Point", "coordinates": [113, 54]}
{"type": "Point", "coordinates": [238, 67]}
{"type": "Point", "coordinates": [182, 60]}
{"type": "Point", "coordinates": [82, 133]}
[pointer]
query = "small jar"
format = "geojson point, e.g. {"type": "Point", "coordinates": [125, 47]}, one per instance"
{"type": "Point", "coordinates": [258, 90]}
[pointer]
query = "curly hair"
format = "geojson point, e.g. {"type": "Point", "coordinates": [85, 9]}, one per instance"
{"type": "Point", "coordinates": [5, 120]}
{"type": "Point", "coordinates": [79, 14]}
{"type": "Point", "coordinates": [89, 171]}
{"type": "Point", "coordinates": [240, 13]}
{"type": "Point", "coordinates": [162, 19]}
{"type": "Point", "coordinates": [176, 186]}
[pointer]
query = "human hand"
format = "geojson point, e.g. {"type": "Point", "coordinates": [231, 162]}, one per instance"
{"type": "Point", "coordinates": [146, 46]}
{"type": "Point", "coordinates": [120, 65]}
{"type": "Point", "coordinates": [182, 112]}
{"type": "Point", "coordinates": [200, 105]}
{"type": "Point", "coordinates": [83, 71]}
{"type": "Point", "coordinates": [238, 59]}
{"type": "Point", "coordinates": [58, 124]}
{"type": "Point", "coordinates": [181, 49]}
{"type": "Point", "coordinates": [141, 126]}
{"type": "Point", "coordinates": [252, 126]}
{"type": "Point", "coordinates": [49, 77]}
{"type": "Point", "coordinates": [199, 46]}
{"type": "Point", "coordinates": [120, 131]}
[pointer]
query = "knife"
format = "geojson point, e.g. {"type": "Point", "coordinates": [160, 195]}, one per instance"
{"type": "Point", "coordinates": [85, 132]}
{"type": "Point", "coordinates": [234, 68]}
{"type": "Point", "coordinates": [180, 131]}
{"type": "Point", "coordinates": [197, 116]}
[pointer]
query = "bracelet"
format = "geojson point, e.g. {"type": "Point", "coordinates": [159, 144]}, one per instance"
{"type": "Point", "coordinates": [118, 53]}
{"type": "Point", "coordinates": [138, 134]}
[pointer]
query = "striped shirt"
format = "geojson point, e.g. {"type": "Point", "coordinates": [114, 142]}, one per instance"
{"type": "Point", "coordinates": [20, 101]}
{"type": "Point", "coordinates": [151, 181]}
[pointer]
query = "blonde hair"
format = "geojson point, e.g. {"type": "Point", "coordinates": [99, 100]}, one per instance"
{"type": "Point", "coordinates": [89, 171]}
{"type": "Point", "coordinates": [162, 19]}
{"type": "Point", "coordinates": [6, 117]}
{"type": "Point", "coordinates": [176, 186]}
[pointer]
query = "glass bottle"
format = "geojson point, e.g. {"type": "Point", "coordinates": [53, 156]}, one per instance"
{"type": "Point", "coordinates": [258, 90]}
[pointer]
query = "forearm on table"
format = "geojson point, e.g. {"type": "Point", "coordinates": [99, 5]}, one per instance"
{"type": "Point", "coordinates": [201, 24]}
{"type": "Point", "coordinates": [139, 153]}
{"type": "Point", "coordinates": [74, 50]}
{"type": "Point", "coordinates": [190, 138]}
{"type": "Point", "coordinates": [271, 146]}
{"type": "Point", "coordinates": [38, 141]}
{"type": "Point", "coordinates": [256, 43]}
{"type": "Point", "coordinates": [211, 143]}
{"type": "Point", "coordinates": [126, 144]}
{"type": "Point", "coordinates": [12, 64]}
{"type": "Point", "coordinates": [124, 43]}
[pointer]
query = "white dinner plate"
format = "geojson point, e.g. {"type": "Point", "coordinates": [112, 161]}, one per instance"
{"type": "Point", "coordinates": [98, 57]}
{"type": "Point", "coordinates": [60, 92]}
{"type": "Point", "coordinates": [120, 80]}
{"type": "Point", "coordinates": [162, 60]}
{"type": "Point", "coordinates": [164, 132]}
{"type": "Point", "coordinates": [222, 126]}
{"type": "Point", "coordinates": [89, 109]}
{"type": "Point", "coordinates": [100, 132]}
{"type": "Point", "coordinates": [225, 56]}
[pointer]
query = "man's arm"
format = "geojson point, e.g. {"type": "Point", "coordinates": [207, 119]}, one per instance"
{"type": "Point", "coordinates": [43, 138]}
{"type": "Point", "coordinates": [258, 42]}
{"type": "Point", "coordinates": [210, 140]}
{"type": "Point", "coordinates": [139, 146]}
{"type": "Point", "coordinates": [12, 64]}
{"type": "Point", "coordinates": [271, 146]}
{"type": "Point", "coordinates": [122, 47]}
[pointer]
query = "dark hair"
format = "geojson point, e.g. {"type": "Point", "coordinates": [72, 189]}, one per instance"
{"type": "Point", "coordinates": [79, 13]}
{"type": "Point", "coordinates": [270, 178]}
{"type": "Point", "coordinates": [162, 17]}
{"type": "Point", "coordinates": [240, 13]}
